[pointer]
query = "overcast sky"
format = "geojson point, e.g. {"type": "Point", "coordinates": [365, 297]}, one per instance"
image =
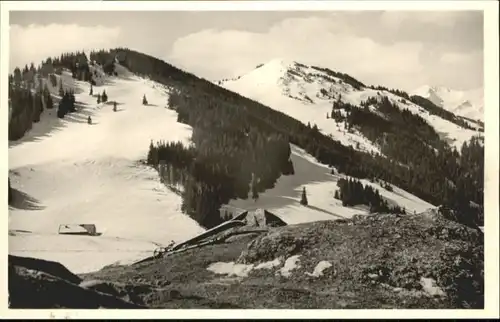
{"type": "Point", "coordinates": [393, 48]}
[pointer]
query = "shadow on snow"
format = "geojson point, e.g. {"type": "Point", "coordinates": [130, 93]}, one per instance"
{"type": "Point", "coordinates": [23, 201]}
{"type": "Point", "coordinates": [50, 123]}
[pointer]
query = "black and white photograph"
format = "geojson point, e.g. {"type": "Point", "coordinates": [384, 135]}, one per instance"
{"type": "Point", "coordinates": [251, 157]}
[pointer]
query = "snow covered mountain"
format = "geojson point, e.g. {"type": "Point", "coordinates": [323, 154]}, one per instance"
{"type": "Point", "coordinates": [468, 104]}
{"type": "Point", "coordinates": [66, 171]}
{"type": "Point", "coordinates": [308, 92]}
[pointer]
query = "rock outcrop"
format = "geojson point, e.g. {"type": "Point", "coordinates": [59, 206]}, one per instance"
{"type": "Point", "coordinates": [39, 284]}
{"type": "Point", "coordinates": [400, 252]}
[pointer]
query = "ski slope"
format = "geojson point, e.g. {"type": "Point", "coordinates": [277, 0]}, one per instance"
{"type": "Point", "coordinates": [66, 171]}
{"type": "Point", "coordinates": [284, 199]}
{"type": "Point", "coordinates": [307, 94]}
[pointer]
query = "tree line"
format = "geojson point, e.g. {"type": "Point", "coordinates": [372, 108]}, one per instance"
{"type": "Point", "coordinates": [352, 193]}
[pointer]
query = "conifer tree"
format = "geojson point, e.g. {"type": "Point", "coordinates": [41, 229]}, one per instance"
{"type": "Point", "coordinates": [114, 106]}
{"type": "Point", "coordinates": [152, 155]}
{"type": "Point", "coordinates": [253, 187]}
{"type": "Point", "coordinates": [63, 106]}
{"type": "Point", "coordinates": [98, 98]}
{"type": "Point", "coordinates": [89, 120]}
{"type": "Point", "coordinates": [91, 90]}
{"type": "Point", "coordinates": [37, 106]}
{"type": "Point", "coordinates": [71, 102]}
{"type": "Point", "coordinates": [144, 100]}
{"type": "Point", "coordinates": [61, 89]}
{"type": "Point", "coordinates": [17, 76]}
{"type": "Point", "coordinates": [49, 103]}
{"type": "Point", "coordinates": [104, 96]}
{"type": "Point", "coordinates": [303, 199]}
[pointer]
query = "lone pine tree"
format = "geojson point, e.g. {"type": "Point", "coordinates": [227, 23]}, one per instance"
{"type": "Point", "coordinates": [114, 106]}
{"type": "Point", "coordinates": [104, 96]}
{"type": "Point", "coordinates": [71, 102]}
{"type": "Point", "coordinates": [98, 98]}
{"type": "Point", "coordinates": [303, 199]}
{"type": "Point", "coordinates": [49, 103]}
{"type": "Point", "coordinates": [91, 90]}
{"type": "Point", "coordinates": [144, 100]}
{"type": "Point", "coordinates": [61, 89]}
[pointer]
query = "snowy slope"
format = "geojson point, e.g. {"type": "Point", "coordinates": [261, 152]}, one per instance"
{"type": "Point", "coordinates": [284, 199]}
{"type": "Point", "coordinates": [307, 94]}
{"type": "Point", "coordinates": [272, 85]}
{"type": "Point", "coordinates": [469, 104]}
{"type": "Point", "coordinates": [70, 172]}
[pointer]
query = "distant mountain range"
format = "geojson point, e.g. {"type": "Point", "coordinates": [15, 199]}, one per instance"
{"type": "Point", "coordinates": [469, 104]}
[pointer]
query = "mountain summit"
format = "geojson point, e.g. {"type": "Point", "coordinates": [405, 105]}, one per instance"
{"type": "Point", "coordinates": [468, 104]}
{"type": "Point", "coordinates": [307, 93]}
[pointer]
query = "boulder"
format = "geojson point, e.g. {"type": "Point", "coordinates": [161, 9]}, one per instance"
{"type": "Point", "coordinates": [48, 267]}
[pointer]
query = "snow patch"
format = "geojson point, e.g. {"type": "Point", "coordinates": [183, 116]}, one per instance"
{"type": "Point", "coordinates": [240, 270]}
{"type": "Point", "coordinates": [291, 263]}
{"type": "Point", "coordinates": [318, 270]}
{"type": "Point", "coordinates": [230, 269]}
{"type": "Point", "coordinates": [429, 286]}
{"type": "Point", "coordinates": [269, 265]}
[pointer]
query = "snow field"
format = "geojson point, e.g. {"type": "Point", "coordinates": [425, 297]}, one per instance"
{"type": "Point", "coordinates": [76, 173]}
{"type": "Point", "coordinates": [284, 199]}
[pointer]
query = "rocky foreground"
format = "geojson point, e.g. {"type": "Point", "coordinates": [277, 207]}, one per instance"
{"type": "Point", "coordinates": [376, 261]}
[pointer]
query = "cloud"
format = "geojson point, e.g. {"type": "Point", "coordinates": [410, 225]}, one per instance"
{"type": "Point", "coordinates": [356, 43]}
{"type": "Point", "coordinates": [440, 18]}
{"type": "Point", "coordinates": [403, 49]}
{"type": "Point", "coordinates": [35, 43]}
{"type": "Point", "coordinates": [454, 58]}
{"type": "Point", "coordinates": [309, 40]}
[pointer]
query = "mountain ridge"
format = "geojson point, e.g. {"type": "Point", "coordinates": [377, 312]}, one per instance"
{"type": "Point", "coordinates": [468, 104]}
{"type": "Point", "coordinates": [320, 86]}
